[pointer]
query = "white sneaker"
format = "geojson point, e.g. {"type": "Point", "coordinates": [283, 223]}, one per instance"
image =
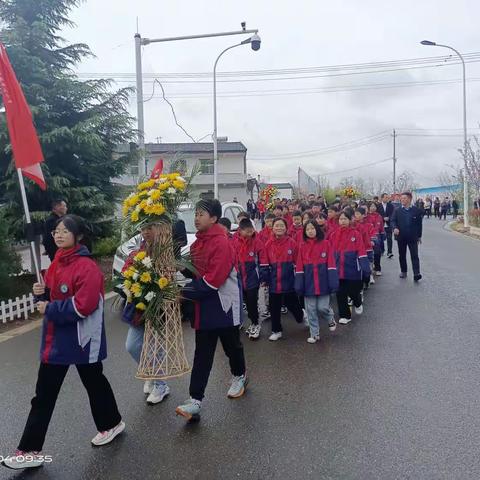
{"type": "Point", "coordinates": [159, 392]}
{"type": "Point", "coordinates": [332, 326]}
{"type": "Point", "coordinates": [359, 310]}
{"type": "Point", "coordinates": [284, 310]}
{"type": "Point", "coordinates": [249, 330]}
{"type": "Point", "coordinates": [20, 460]}
{"type": "Point", "coordinates": [148, 387]}
{"type": "Point", "coordinates": [102, 438]}
{"type": "Point", "coordinates": [372, 280]}
{"type": "Point", "coordinates": [344, 321]}
{"type": "Point", "coordinates": [275, 336]}
{"type": "Point", "coordinates": [238, 386]}
{"type": "Point", "coordinates": [255, 333]}
{"type": "Point", "coordinates": [378, 274]}
{"type": "Point", "coordinates": [313, 339]}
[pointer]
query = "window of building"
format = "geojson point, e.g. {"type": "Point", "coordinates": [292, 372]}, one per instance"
{"type": "Point", "coordinates": [206, 166]}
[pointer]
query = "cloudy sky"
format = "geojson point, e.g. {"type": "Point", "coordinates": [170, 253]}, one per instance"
{"type": "Point", "coordinates": [287, 121]}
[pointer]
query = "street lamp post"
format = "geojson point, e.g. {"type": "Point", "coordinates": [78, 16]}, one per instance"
{"type": "Point", "coordinates": [254, 41]}
{"type": "Point", "coordinates": [465, 140]}
{"type": "Point", "coordinates": [139, 42]}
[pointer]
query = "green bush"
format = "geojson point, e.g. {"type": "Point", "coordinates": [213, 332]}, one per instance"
{"type": "Point", "coordinates": [10, 263]}
{"type": "Point", "coordinates": [105, 247]}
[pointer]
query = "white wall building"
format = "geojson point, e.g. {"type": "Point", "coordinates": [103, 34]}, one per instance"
{"type": "Point", "coordinates": [232, 166]}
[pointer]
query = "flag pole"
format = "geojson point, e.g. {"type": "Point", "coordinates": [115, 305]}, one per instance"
{"type": "Point", "coordinates": [30, 236]}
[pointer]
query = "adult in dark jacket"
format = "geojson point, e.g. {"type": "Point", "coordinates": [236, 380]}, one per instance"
{"type": "Point", "coordinates": [59, 209]}
{"type": "Point", "coordinates": [386, 208]}
{"type": "Point", "coordinates": [407, 228]}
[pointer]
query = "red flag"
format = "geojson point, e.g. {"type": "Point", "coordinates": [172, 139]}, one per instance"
{"type": "Point", "coordinates": [157, 169]}
{"type": "Point", "coordinates": [27, 152]}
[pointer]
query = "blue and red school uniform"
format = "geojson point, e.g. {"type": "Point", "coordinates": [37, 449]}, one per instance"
{"type": "Point", "coordinates": [251, 259]}
{"type": "Point", "coordinates": [315, 269]}
{"type": "Point", "coordinates": [350, 253]}
{"type": "Point", "coordinates": [281, 254]}
{"type": "Point", "coordinates": [296, 232]}
{"type": "Point", "coordinates": [215, 289]}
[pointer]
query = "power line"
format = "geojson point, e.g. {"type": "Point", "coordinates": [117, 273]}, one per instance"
{"type": "Point", "coordinates": [422, 61]}
{"type": "Point", "coordinates": [355, 168]}
{"type": "Point", "coordinates": [315, 90]}
{"type": "Point", "coordinates": [324, 151]}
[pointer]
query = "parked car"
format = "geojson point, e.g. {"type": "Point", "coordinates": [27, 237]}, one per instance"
{"type": "Point", "coordinates": [187, 214]}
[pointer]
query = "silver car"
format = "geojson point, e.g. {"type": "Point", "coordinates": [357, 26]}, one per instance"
{"type": "Point", "coordinates": [186, 213]}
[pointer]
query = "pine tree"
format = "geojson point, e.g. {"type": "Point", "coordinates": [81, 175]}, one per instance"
{"type": "Point", "coordinates": [79, 122]}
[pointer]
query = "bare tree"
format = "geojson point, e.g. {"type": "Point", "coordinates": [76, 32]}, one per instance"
{"type": "Point", "coordinates": [473, 164]}
{"type": "Point", "coordinates": [406, 182]}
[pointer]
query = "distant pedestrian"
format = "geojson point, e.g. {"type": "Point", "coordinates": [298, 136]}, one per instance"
{"type": "Point", "coordinates": [443, 209]}
{"type": "Point", "coordinates": [436, 207]}
{"type": "Point", "coordinates": [71, 301]}
{"type": "Point", "coordinates": [407, 228]}
{"type": "Point", "coordinates": [455, 207]}
{"type": "Point", "coordinates": [59, 209]}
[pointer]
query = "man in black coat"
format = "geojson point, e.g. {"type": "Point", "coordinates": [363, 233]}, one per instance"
{"type": "Point", "coordinates": [59, 209]}
{"type": "Point", "coordinates": [406, 222]}
{"type": "Point", "coordinates": [385, 208]}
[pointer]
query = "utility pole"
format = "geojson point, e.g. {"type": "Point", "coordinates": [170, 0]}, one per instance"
{"type": "Point", "coordinates": [394, 164]}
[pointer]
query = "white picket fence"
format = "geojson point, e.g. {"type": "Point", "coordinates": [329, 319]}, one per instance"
{"type": "Point", "coordinates": [16, 308]}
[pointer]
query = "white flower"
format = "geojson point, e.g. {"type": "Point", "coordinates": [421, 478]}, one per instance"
{"type": "Point", "coordinates": [181, 179]}
{"type": "Point", "coordinates": [149, 296]}
{"type": "Point", "coordinates": [147, 261]}
{"type": "Point", "coordinates": [149, 201]}
{"type": "Point", "coordinates": [150, 192]}
{"type": "Point", "coordinates": [135, 276]}
{"type": "Point", "coordinates": [138, 294]}
{"type": "Point", "coordinates": [138, 208]}
{"type": "Point", "coordinates": [171, 191]}
{"type": "Point", "coordinates": [162, 180]}
{"type": "Point", "coordinates": [126, 291]}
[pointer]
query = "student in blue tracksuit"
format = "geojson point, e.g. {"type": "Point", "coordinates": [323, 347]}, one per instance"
{"type": "Point", "coordinates": [316, 278]}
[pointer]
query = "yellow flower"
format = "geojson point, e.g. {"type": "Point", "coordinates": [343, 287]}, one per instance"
{"type": "Point", "coordinates": [145, 185]}
{"type": "Point", "coordinates": [145, 277]}
{"type": "Point", "coordinates": [134, 216]}
{"type": "Point", "coordinates": [127, 284]}
{"type": "Point", "coordinates": [155, 195]}
{"type": "Point", "coordinates": [140, 306]}
{"type": "Point", "coordinates": [158, 209]}
{"type": "Point", "coordinates": [132, 201]}
{"type": "Point", "coordinates": [162, 283]}
{"type": "Point", "coordinates": [125, 209]}
{"type": "Point", "coordinates": [179, 185]}
{"type": "Point", "coordinates": [164, 186]}
{"type": "Point", "coordinates": [140, 255]}
{"type": "Point", "coordinates": [127, 273]}
{"type": "Point", "coordinates": [173, 176]}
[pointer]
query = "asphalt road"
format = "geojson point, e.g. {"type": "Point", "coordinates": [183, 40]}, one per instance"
{"type": "Point", "coordinates": [393, 395]}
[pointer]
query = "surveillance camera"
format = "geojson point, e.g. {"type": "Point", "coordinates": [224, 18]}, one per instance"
{"type": "Point", "coordinates": [244, 25]}
{"type": "Point", "coordinates": [255, 41]}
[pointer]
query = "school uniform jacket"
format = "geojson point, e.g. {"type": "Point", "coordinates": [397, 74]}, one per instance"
{"type": "Point", "coordinates": [73, 328]}
{"type": "Point", "coordinates": [216, 288]}
{"type": "Point", "coordinates": [296, 232]}
{"type": "Point", "coordinates": [368, 234]}
{"type": "Point", "coordinates": [315, 270]}
{"type": "Point", "coordinates": [265, 235]}
{"type": "Point", "coordinates": [350, 254]}
{"type": "Point", "coordinates": [250, 259]}
{"type": "Point", "coordinates": [281, 255]}
{"type": "Point", "coordinates": [377, 221]}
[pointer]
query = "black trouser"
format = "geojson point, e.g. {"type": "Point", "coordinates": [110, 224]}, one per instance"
{"type": "Point", "coordinates": [205, 345]}
{"type": "Point", "coordinates": [388, 234]}
{"type": "Point", "coordinates": [377, 255]}
{"type": "Point", "coordinates": [402, 254]}
{"type": "Point", "coordinates": [428, 212]}
{"type": "Point", "coordinates": [436, 212]}
{"type": "Point", "coordinates": [455, 213]}
{"type": "Point", "coordinates": [352, 289]}
{"type": "Point", "coordinates": [251, 300]}
{"type": "Point", "coordinates": [50, 378]}
{"type": "Point", "coordinates": [443, 213]}
{"type": "Point", "coordinates": [290, 300]}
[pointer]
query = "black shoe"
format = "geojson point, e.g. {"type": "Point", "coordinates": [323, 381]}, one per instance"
{"type": "Point", "coordinates": [390, 255]}
{"type": "Point", "coordinates": [417, 278]}
{"type": "Point", "coordinates": [403, 275]}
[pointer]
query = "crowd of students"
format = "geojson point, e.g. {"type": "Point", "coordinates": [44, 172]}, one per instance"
{"type": "Point", "coordinates": [304, 254]}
